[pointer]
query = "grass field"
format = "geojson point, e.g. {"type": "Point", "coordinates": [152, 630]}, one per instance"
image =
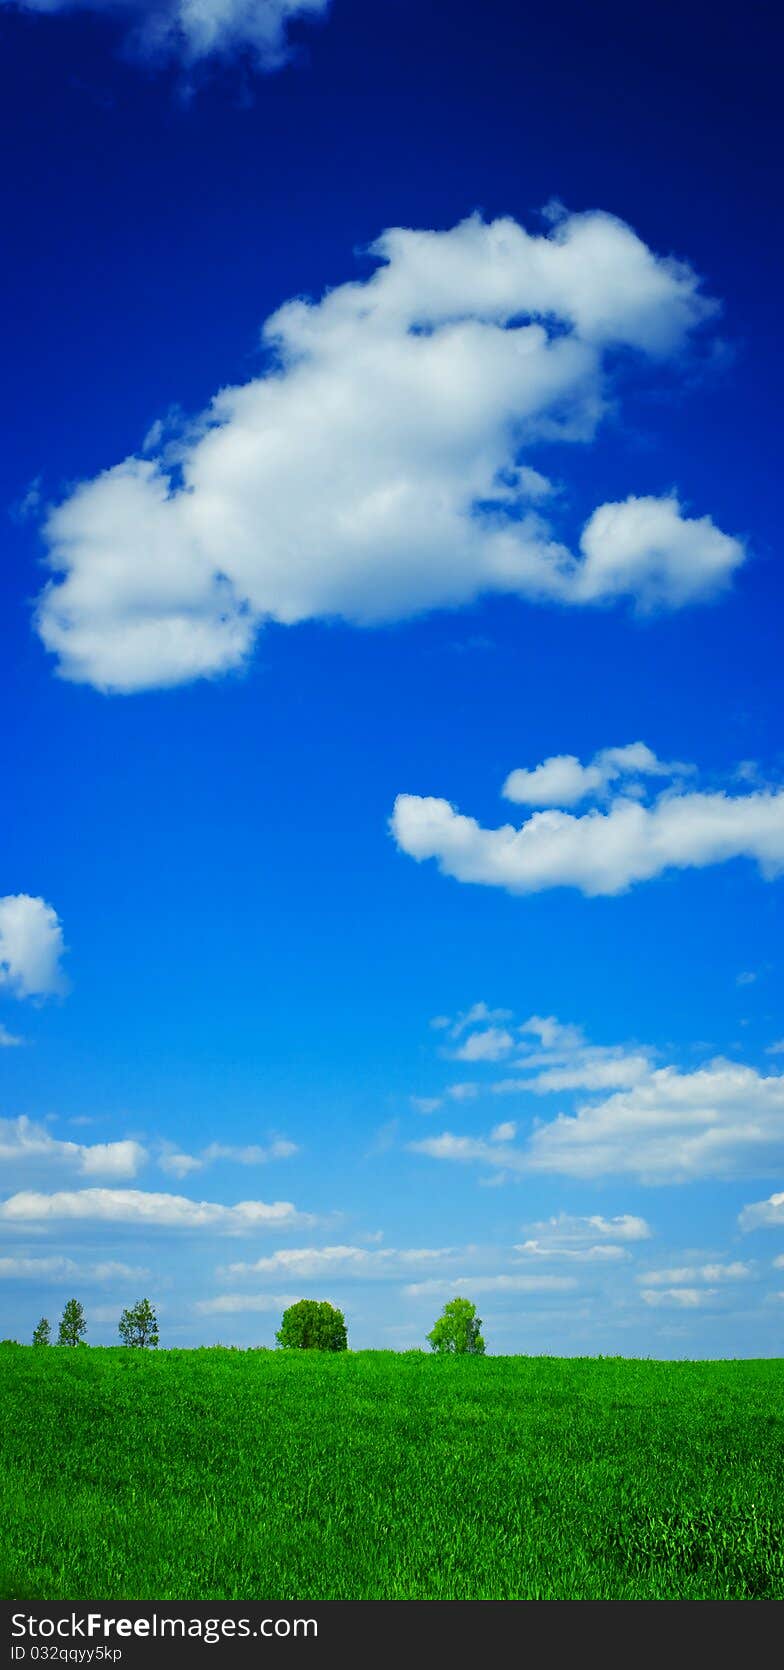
{"type": "Point", "coordinates": [222, 1474]}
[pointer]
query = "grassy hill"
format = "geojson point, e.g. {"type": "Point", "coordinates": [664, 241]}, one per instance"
{"type": "Point", "coordinates": [221, 1474]}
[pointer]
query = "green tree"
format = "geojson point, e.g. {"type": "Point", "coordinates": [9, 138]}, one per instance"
{"type": "Point", "coordinates": [139, 1325]}
{"type": "Point", "coordinates": [72, 1324]}
{"type": "Point", "coordinates": [42, 1335]}
{"type": "Point", "coordinates": [313, 1325]}
{"type": "Point", "coordinates": [457, 1330]}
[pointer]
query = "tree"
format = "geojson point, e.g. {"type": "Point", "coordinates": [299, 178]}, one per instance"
{"type": "Point", "coordinates": [457, 1330]}
{"type": "Point", "coordinates": [313, 1325]}
{"type": "Point", "coordinates": [42, 1335]}
{"type": "Point", "coordinates": [139, 1325]}
{"type": "Point", "coordinates": [72, 1324]}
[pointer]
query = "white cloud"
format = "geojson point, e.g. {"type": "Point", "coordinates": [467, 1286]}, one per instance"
{"type": "Point", "coordinates": [478, 1014]}
{"type": "Point", "coordinates": [192, 30]}
{"type": "Point", "coordinates": [493, 1284]}
{"type": "Point", "coordinates": [736, 1271]}
{"type": "Point", "coordinates": [593, 1238]}
{"type": "Point", "coordinates": [24, 1143]}
{"type": "Point", "coordinates": [763, 1214]}
{"type": "Point", "coordinates": [683, 1298]}
{"type": "Point", "coordinates": [373, 472]}
{"type": "Point", "coordinates": [60, 1269]}
{"type": "Point", "coordinates": [776, 1048]}
{"type": "Point", "coordinates": [722, 1120]}
{"type": "Point", "coordinates": [31, 945]}
{"type": "Point", "coordinates": [746, 978]}
{"type": "Point", "coordinates": [341, 1261]}
{"type": "Point", "coordinates": [179, 1164]}
{"type": "Point", "coordinates": [504, 1133]}
{"type": "Point", "coordinates": [490, 1045]}
{"type": "Point", "coordinates": [561, 780]}
{"type": "Point", "coordinates": [9, 1040]}
{"type": "Point", "coordinates": [232, 1304]}
{"type": "Point", "coordinates": [600, 852]}
{"type": "Point", "coordinates": [135, 1206]}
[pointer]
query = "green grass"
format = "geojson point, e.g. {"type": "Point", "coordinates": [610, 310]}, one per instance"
{"type": "Point", "coordinates": [298, 1476]}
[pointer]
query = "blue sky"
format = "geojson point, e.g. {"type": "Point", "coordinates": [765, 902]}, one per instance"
{"type": "Point", "coordinates": [497, 492]}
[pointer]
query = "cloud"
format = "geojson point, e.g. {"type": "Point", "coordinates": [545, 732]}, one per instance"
{"type": "Point", "coordinates": [24, 1143]}
{"type": "Point", "coordinates": [231, 1304]}
{"type": "Point", "coordinates": [179, 1164]}
{"type": "Point", "coordinates": [163, 1211]}
{"type": "Point", "coordinates": [601, 852]}
{"type": "Point", "coordinates": [561, 780]}
{"type": "Point", "coordinates": [776, 1048]}
{"type": "Point", "coordinates": [746, 978]}
{"type": "Point", "coordinates": [763, 1214]}
{"type": "Point", "coordinates": [373, 471]}
{"type": "Point", "coordinates": [722, 1120]}
{"type": "Point", "coordinates": [478, 1014]}
{"type": "Point", "coordinates": [60, 1269]}
{"type": "Point", "coordinates": [31, 945]}
{"type": "Point", "coordinates": [9, 1040]}
{"type": "Point", "coordinates": [683, 1298]}
{"type": "Point", "coordinates": [505, 1132]}
{"type": "Point", "coordinates": [490, 1045]}
{"type": "Point", "coordinates": [493, 1284]}
{"type": "Point", "coordinates": [192, 30]}
{"type": "Point", "coordinates": [341, 1261]}
{"type": "Point", "coordinates": [736, 1271]}
{"type": "Point", "coordinates": [593, 1238]}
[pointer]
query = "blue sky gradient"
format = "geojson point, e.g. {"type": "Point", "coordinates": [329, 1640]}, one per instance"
{"type": "Point", "coordinates": [252, 957]}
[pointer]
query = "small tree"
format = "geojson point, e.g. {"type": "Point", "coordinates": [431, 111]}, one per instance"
{"type": "Point", "coordinates": [42, 1335]}
{"type": "Point", "coordinates": [72, 1324]}
{"type": "Point", "coordinates": [457, 1330]}
{"type": "Point", "coordinates": [139, 1325]}
{"type": "Point", "coordinates": [313, 1325]}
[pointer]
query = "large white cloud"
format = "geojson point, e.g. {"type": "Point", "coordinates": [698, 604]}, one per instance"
{"type": "Point", "coordinates": [137, 1207]}
{"type": "Point", "coordinates": [31, 945]}
{"type": "Point", "coordinates": [723, 1120]}
{"type": "Point", "coordinates": [374, 470]}
{"type": "Point", "coordinates": [192, 30]}
{"type": "Point", "coordinates": [603, 850]}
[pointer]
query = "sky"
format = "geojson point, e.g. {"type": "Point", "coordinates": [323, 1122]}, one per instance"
{"type": "Point", "coordinates": [391, 614]}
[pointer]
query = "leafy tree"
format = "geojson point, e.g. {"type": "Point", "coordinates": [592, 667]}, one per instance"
{"type": "Point", "coordinates": [72, 1324]}
{"type": "Point", "coordinates": [457, 1330]}
{"type": "Point", "coordinates": [139, 1325]}
{"type": "Point", "coordinates": [42, 1335]}
{"type": "Point", "coordinates": [313, 1325]}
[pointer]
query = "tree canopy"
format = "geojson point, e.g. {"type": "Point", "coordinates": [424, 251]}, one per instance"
{"type": "Point", "coordinates": [457, 1330]}
{"type": "Point", "coordinates": [313, 1325]}
{"type": "Point", "coordinates": [139, 1325]}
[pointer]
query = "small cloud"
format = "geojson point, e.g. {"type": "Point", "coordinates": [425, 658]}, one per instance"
{"type": "Point", "coordinates": [747, 978]}
{"type": "Point", "coordinates": [426, 1104]}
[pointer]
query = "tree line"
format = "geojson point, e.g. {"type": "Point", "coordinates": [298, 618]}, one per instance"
{"type": "Point", "coordinates": [309, 1325]}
